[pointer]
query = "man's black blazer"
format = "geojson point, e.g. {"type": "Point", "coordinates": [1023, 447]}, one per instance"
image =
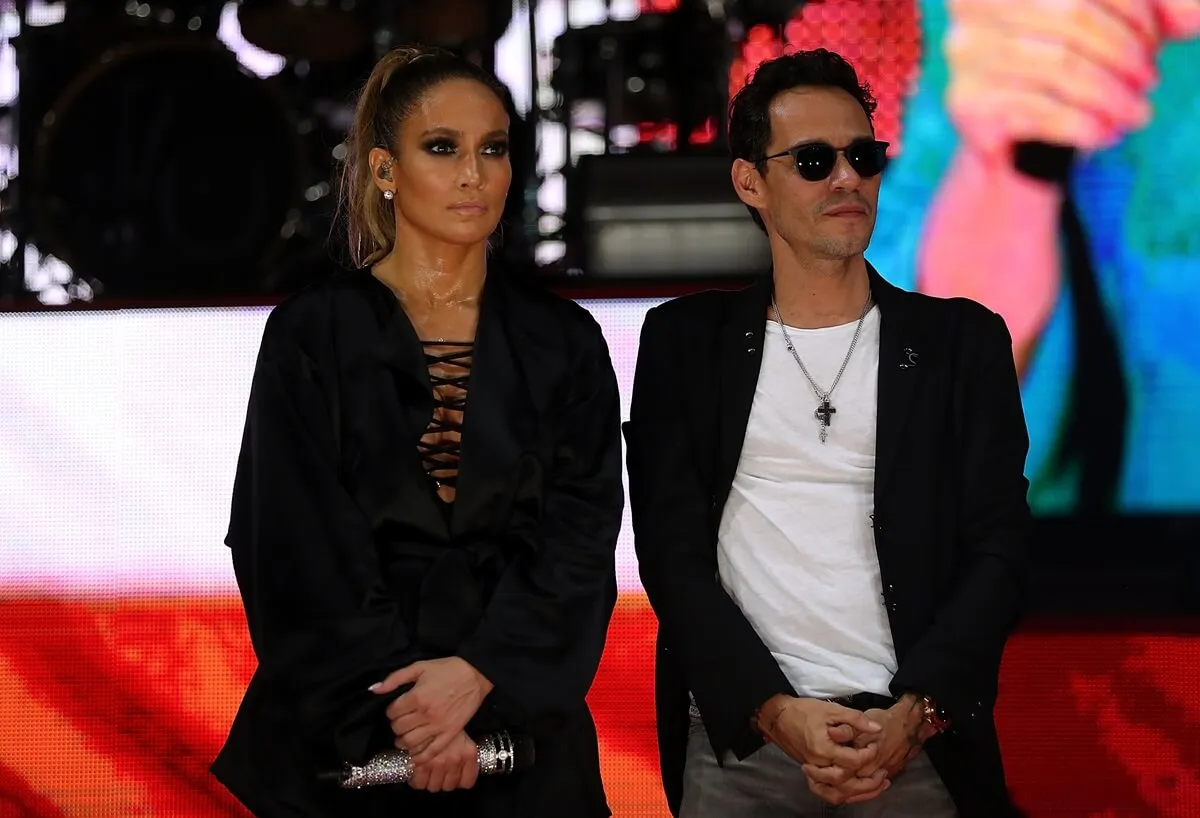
{"type": "Point", "coordinates": [950, 518]}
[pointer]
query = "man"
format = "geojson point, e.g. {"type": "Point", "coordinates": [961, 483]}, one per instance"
{"type": "Point", "coordinates": [826, 479]}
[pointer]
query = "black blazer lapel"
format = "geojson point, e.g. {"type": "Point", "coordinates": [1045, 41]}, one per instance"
{"type": "Point", "coordinates": [500, 409]}
{"type": "Point", "coordinates": [740, 345]}
{"type": "Point", "coordinates": [900, 351]}
{"type": "Point", "coordinates": [388, 406]}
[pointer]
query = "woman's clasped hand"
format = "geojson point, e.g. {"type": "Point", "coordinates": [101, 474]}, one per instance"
{"type": "Point", "coordinates": [429, 718]}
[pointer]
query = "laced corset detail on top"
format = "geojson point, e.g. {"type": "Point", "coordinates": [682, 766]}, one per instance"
{"type": "Point", "coordinates": [449, 365]}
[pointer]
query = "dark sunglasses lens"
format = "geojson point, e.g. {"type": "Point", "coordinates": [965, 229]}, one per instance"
{"type": "Point", "coordinates": [867, 158]}
{"type": "Point", "coordinates": [815, 162]}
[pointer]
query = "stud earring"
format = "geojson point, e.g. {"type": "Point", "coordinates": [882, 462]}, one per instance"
{"type": "Point", "coordinates": [389, 195]}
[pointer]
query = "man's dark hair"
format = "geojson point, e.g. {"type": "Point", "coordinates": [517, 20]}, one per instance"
{"type": "Point", "coordinates": [749, 110]}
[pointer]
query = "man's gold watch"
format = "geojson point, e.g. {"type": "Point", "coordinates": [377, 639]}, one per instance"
{"type": "Point", "coordinates": [933, 716]}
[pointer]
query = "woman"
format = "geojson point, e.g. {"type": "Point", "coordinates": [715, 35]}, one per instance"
{"type": "Point", "coordinates": [429, 492]}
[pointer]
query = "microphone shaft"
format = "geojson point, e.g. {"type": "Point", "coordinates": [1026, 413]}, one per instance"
{"type": "Point", "coordinates": [496, 754]}
{"type": "Point", "coordinates": [1042, 160]}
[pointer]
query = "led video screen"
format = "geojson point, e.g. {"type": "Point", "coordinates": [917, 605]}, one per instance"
{"type": "Point", "coordinates": [1098, 277]}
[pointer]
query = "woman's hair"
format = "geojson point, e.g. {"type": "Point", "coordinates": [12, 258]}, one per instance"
{"type": "Point", "coordinates": [396, 86]}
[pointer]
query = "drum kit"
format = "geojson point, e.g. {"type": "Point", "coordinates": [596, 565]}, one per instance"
{"type": "Point", "coordinates": [155, 162]}
{"type": "Point", "coordinates": [332, 30]}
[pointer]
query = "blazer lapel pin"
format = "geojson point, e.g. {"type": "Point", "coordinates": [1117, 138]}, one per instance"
{"type": "Point", "coordinates": [910, 359]}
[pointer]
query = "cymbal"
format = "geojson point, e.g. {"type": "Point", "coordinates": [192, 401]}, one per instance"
{"type": "Point", "coordinates": [307, 31]}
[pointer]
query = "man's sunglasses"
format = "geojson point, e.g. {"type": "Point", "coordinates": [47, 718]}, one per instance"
{"type": "Point", "coordinates": [815, 160]}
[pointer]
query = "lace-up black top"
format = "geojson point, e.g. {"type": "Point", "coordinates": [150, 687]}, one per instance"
{"type": "Point", "coordinates": [369, 534]}
{"type": "Point", "coordinates": [449, 364]}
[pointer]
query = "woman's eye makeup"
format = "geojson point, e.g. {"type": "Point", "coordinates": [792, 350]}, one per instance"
{"type": "Point", "coordinates": [440, 146]}
{"type": "Point", "coordinates": [447, 147]}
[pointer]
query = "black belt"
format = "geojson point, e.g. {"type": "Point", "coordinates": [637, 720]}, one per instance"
{"type": "Point", "coordinates": [865, 701]}
{"type": "Point", "coordinates": [859, 701]}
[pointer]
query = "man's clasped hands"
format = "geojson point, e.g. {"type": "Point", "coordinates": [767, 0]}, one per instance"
{"type": "Point", "coordinates": [848, 756]}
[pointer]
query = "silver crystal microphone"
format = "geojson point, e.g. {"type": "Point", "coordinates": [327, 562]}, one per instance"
{"type": "Point", "coordinates": [497, 754]}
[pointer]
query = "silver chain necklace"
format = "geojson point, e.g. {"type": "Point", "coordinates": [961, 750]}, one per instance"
{"type": "Point", "coordinates": [825, 410]}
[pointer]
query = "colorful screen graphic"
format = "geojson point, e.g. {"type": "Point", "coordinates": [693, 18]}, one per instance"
{"type": "Point", "coordinates": [1099, 278]}
{"type": "Point", "coordinates": [123, 648]}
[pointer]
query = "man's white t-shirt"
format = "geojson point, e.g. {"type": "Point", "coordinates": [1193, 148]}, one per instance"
{"type": "Point", "coordinates": [796, 549]}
